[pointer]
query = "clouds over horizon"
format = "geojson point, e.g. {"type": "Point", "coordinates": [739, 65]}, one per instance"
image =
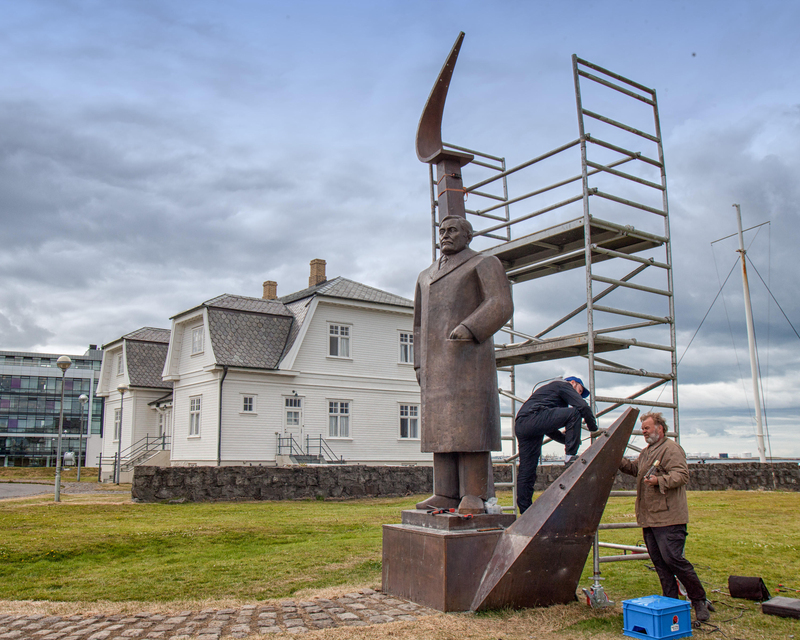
{"type": "Point", "coordinates": [155, 156]}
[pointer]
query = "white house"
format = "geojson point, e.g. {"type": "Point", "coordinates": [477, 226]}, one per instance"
{"type": "Point", "coordinates": [257, 379]}
{"type": "Point", "coordinates": [141, 413]}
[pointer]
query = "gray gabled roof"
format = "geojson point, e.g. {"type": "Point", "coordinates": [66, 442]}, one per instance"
{"type": "Point", "coordinates": [146, 364]}
{"type": "Point", "coordinates": [252, 340]}
{"type": "Point", "coordinates": [146, 352]}
{"type": "Point", "coordinates": [241, 303]}
{"type": "Point", "coordinates": [149, 334]}
{"type": "Point", "coordinates": [349, 290]}
{"type": "Point", "coordinates": [256, 333]}
{"type": "Point", "coordinates": [245, 303]}
{"type": "Point", "coordinates": [299, 308]}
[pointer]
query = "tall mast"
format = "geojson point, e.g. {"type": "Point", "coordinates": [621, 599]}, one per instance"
{"type": "Point", "coordinates": [748, 312]}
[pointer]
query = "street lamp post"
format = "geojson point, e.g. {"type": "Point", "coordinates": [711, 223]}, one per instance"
{"type": "Point", "coordinates": [122, 389]}
{"type": "Point", "coordinates": [83, 398]}
{"type": "Point", "coordinates": [64, 363]}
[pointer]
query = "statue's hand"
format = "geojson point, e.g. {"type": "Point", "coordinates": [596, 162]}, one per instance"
{"type": "Point", "coordinates": [460, 333]}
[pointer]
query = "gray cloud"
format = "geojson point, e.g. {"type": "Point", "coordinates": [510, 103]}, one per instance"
{"type": "Point", "coordinates": [152, 157]}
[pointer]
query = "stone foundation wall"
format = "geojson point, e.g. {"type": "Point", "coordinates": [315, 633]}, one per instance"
{"type": "Point", "coordinates": [744, 476]}
{"type": "Point", "coordinates": [208, 484]}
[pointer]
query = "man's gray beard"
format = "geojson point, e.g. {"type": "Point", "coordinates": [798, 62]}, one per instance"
{"type": "Point", "coordinates": [652, 439]}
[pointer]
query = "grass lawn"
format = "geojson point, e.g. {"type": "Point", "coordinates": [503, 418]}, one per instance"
{"type": "Point", "coordinates": [46, 474]}
{"type": "Point", "coordinates": [106, 551]}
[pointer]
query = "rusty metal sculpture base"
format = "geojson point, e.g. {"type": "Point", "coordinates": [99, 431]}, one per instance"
{"type": "Point", "coordinates": [438, 561]}
{"type": "Point", "coordinates": [539, 559]}
{"type": "Point", "coordinates": [451, 563]}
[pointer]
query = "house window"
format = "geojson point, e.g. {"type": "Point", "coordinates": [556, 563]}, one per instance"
{"type": "Point", "coordinates": [117, 423]}
{"type": "Point", "coordinates": [293, 407]}
{"type": "Point", "coordinates": [119, 364]}
{"type": "Point", "coordinates": [197, 340]}
{"type": "Point", "coordinates": [194, 416]}
{"type": "Point", "coordinates": [409, 421]}
{"type": "Point", "coordinates": [338, 419]}
{"type": "Point", "coordinates": [161, 427]}
{"type": "Point", "coordinates": [248, 404]}
{"type": "Point", "coordinates": [339, 340]}
{"type": "Point", "coordinates": [407, 348]}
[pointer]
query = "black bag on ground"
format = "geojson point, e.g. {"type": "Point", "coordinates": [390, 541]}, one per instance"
{"type": "Point", "coordinates": [750, 588]}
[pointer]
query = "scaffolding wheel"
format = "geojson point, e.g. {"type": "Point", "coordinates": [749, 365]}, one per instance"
{"type": "Point", "coordinates": [596, 597]}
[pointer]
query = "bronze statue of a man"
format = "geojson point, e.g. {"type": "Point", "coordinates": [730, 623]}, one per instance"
{"type": "Point", "coordinates": [461, 300]}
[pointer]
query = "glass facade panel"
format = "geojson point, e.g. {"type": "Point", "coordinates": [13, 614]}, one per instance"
{"type": "Point", "coordinates": [30, 404]}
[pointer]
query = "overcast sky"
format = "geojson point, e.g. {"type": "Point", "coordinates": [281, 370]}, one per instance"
{"type": "Point", "coordinates": [154, 155]}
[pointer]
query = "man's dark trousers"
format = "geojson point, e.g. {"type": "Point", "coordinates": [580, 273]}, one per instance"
{"type": "Point", "coordinates": [665, 546]}
{"type": "Point", "coordinates": [531, 431]}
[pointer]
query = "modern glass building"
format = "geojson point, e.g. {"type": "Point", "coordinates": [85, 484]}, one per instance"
{"type": "Point", "coordinates": [30, 404]}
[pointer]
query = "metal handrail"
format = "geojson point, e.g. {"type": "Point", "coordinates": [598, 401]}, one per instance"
{"type": "Point", "coordinates": [323, 448]}
{"type": "Point", "coordinates": [289, 443]}
{"type": "Point", "coordinates": [137, 450]}
{"type": "Point", "coordinates": [133, 454]}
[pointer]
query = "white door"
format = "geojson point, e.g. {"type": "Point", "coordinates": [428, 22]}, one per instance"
{"type": "Point", "coordinates": [293, 418]}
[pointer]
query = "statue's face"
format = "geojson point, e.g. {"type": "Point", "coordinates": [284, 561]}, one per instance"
{"type": "Point", "coordinates": [452, 237]}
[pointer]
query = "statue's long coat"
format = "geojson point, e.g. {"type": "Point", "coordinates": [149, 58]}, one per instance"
{"type": "Point", "coordinates": [458, 378]}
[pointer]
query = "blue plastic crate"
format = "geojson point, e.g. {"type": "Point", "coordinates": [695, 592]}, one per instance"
{"type": "Point", "coordinates": [656, 618]}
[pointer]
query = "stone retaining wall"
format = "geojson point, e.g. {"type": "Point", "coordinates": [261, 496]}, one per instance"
{"type": "Point", "coordinates": [208, 484]}
{"type": "Point", "coordinates": [744, 476]}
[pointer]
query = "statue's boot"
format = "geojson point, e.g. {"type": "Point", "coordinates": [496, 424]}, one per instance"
{"type": "Point", "coordinates": [438, 502]}
{"type": "Point", "coordinates": [471, 504]}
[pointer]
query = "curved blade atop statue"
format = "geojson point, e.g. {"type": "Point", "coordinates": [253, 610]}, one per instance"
{"type": "Point", "coordinates": [429, 131]}
{"type": "Point", "coordinates": [450, 196]}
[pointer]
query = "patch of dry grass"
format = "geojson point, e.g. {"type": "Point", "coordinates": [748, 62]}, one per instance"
{"type": "Point", "coordinates": [47, 474]}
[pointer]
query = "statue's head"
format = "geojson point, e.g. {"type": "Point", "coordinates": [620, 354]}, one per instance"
{"type": "Point", "coordinates": [455, 234]}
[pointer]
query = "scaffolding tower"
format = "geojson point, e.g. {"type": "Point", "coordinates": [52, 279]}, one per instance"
{"type": "Point", "coordinates": [610, 219]}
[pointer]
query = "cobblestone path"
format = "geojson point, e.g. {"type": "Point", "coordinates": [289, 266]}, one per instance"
{"type": "Point", "coordinates": [366, 607]}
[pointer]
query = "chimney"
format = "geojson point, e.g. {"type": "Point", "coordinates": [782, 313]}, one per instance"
{"type": "Point", "coordinates": [270, 290]}
{"type": "Point", "coordinates": [317, 272]}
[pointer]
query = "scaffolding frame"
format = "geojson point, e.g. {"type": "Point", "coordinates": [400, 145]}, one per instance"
{"type": "Point", "coordinates": [619, 236]}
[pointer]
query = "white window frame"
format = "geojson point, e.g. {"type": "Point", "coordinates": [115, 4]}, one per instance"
{"type": "Point", "coordinates": [120, 364]}
{"type": "Point", "coordinates": [198, 339]}
{"type": "Point", "coordinates": [406, 347]}
{"type": "Point", "coordinates": [251, 397]}
{"type": "Point", "coordinates": [117, 424]}
{"type": "Point", "coordinates": [340, 339]}
{"type": "Point", "coordinates": [195, 415]}
{"type": "Point", "coordinates": [339, 419]}
{"type": "Point", "coordinates": [410, 414]}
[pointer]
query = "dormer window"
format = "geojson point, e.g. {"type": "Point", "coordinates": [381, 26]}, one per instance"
{"type": "Point", "coordinates": [197, 340]}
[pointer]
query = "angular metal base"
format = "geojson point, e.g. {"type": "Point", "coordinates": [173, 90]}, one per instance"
{"type": "Point", "coordinates": [438, 561]}
{"type": "Point", "coordinates": [539, 559]}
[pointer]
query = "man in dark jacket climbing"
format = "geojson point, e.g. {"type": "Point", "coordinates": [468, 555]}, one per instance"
{"type": "Point", "coordinates": [557, 405]}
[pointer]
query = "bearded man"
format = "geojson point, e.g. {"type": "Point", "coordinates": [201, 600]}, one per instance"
{"type": "Point", "coordinates": [663, 511]}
